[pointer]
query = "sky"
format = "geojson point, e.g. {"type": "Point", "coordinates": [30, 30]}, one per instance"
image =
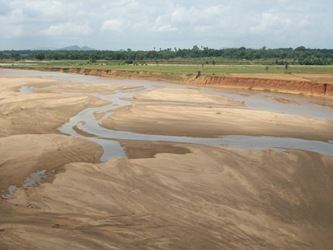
{"type": "Point", "coordinates": [148, 24]}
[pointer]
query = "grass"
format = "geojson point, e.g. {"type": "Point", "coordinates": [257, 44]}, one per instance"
{"type": "Point", "coordinates": [177, 68]}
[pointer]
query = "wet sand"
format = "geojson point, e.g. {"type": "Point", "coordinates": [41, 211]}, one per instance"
{"type": "Point", "coordinates": [41, 112]}
{"type": "Point", "coordinates": [166, 195]}
{"type": "Point", "coordinates": [192, 113]}
{"type": "Point", "coordinates": [29, 137]}
{"type": "Point", "coordinates": [21, 155]}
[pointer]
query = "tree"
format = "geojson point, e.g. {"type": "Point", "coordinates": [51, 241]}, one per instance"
{"type": "Point", "coordinates": [299, 55]}
{"type": "Point", "coordinates": [300, 48]}
{"type": "Point", "coordinates": [40, 56]}
{"type": "Point", "coordinates": [92, 59]}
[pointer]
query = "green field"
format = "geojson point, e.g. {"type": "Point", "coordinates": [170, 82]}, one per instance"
{"type": "Point", "coordinates": [161, 67]}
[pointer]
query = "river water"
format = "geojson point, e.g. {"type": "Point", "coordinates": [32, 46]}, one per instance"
{"type": "Point", "coordinates": [86, 121]}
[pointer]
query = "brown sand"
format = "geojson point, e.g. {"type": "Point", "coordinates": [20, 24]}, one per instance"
{"type": "Point", "coordinates": [21, 155]}
{"type": "Point", "coordinates": [304, 84]}
{"type": "Point", "coordinates": [167, 196]}
{"type": "Point", "coordinates": [38, 113]}
{"type": "Point", "coordinates": [319, 78]}
{"type": "Point", "coordinates": [28, 123]}
{"type": "Point", "coordinates": [141, 149]}
{"type": "Point", "coordinates": [190, 115]}
{"type": "Point", "coordinates": [212, 198]}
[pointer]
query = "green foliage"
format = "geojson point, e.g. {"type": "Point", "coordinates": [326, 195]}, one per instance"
{"type": "Point", "coordinates": [185, 67]}
{"type": "Point", "coordinates": [196, 55]}
{"type": "Point", "coordinates": [92, 59]}
{"type": "Point", "coordinates": [38, 56]}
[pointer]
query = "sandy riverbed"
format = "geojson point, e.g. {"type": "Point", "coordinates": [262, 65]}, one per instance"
{"type": "Point", "coordinates": [191, 113]}
{"type": "Point", "coordinates": [210, 198]}
{"type": "Point", "coordinates": [166, 195]}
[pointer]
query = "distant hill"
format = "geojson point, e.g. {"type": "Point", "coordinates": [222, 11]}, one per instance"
{"type": "Point", "coordinates": [77, 48]}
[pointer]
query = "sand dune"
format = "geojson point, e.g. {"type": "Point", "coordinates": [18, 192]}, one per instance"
{"type": "Point", "coordinates": [211, 198]}
{"type": "Point", "coordinates": [166, 195]}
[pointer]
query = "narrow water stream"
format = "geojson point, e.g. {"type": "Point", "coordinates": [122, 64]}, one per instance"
{"type": "Point", "coordinates": [107, 138]}
{"type": "Point", "coordinates": [86, 122]}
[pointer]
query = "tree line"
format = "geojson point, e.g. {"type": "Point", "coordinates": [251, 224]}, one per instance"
{"type": "Point", "coordinates": [300, 55]}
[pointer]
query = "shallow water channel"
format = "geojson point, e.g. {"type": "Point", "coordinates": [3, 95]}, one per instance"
{"type": "Point", "coordinates": [86, 125]}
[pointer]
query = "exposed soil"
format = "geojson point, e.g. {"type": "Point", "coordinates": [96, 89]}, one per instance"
{"type": "Point", "coordinates": [275, 85]}
{"type": "Point", "coordinates": [166, 195]}
{"type": "Point", "coordinates": [141, 149]}
{"type": "Point", "coordinates": [211, 198]}
{"type": "Point", "coordinates": [29, 127]}
{"type": "Point", "coordinates": [21, 155]}
{"type": "Point", "coordinates": [313, 85]}
{"type": "Point", "coordinates": [191, 113]}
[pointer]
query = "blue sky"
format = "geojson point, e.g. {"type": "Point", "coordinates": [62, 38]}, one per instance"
{"type": "Point", "coordinates": [145, 24]}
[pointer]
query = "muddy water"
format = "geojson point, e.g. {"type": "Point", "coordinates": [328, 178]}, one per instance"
{"type": "Point", "coordinates": [87, 122]}
{"type": "Point", "coordinates": [90, 127]}
{"type": "Point", "coordinates": [26, 89]}
{"type": "Point", "coordinates": [277, 102]}
{"type": "Point", "coordinates": [281, 103]}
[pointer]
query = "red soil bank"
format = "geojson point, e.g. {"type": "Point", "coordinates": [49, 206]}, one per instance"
{"type": "Point", "coordinates": [274, 85]}
{"type": "Point", "coordinates": [286, 86]}
{"type": "Point", "coordinates": [329, 90]}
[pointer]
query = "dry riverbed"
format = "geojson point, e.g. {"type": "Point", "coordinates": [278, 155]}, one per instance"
{"type": "Point", "coordinates": [191, 113]}
{"type": "Point", "coordinates": [165, 195]}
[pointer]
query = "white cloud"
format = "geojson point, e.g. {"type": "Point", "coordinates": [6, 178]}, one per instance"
{"type": "Point", "coordinates": [164, 28]}
{"type": "Point", "coordinates": [160, 23]}
{"type": "Point", "coordinates": [68, 29]}
{"type": "Point", "coordinates": [10, 31]}
{"type": "Point", "coordinates": [273, 22]}
{"type": "Point", "coordinates": [113, 25]}
{"type": "Point", "coordinates": [197, 15]}
{"type": "Point", "coordinates": [189, 18]}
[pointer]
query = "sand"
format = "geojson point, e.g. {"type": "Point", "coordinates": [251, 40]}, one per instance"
{"type": "Point", "coordinates": [166, 195]}
{"type": "Point", "coordinates": [211, 198]}
{"type": "Point", "coordinates": [21, 155]}
{"type": "Point", "coordinates": [39, 113]}
{"type": "Point", "coordinates": [29, 136]}
{"type": "Point", "coordinates": [319, 78]}
{"type": "Point", "coordinates": [169, 112]}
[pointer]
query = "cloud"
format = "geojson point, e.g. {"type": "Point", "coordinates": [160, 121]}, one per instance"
{"type": "Point", "coordinates": [147, 23]}
{"type": "Point", "coordinates": [10, 31]}
{"type": "Point", "coordinates": [201, 15]}
{"type": "Point", "coordinates": [70, 29]}
{"type": "Point", "coordinates": [272, 22]}
{"type": "Point", "coordinates": [164, 28]}
{"type": "Point", "coordinates": [162, 24]}
{"type": "Point", "coordinates": [113, 25]}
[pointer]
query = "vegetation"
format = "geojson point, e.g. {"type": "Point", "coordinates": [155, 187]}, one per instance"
{"type": "Point", "coordinates": [190, 68]}
{"type": "Point", "coordinates": [196, 55]}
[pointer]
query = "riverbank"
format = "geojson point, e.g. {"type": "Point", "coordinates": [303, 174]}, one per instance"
{"type": "Point", "coordinates": [169, 191]}
{"type": "Point", "coordinates": [311, 85]}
